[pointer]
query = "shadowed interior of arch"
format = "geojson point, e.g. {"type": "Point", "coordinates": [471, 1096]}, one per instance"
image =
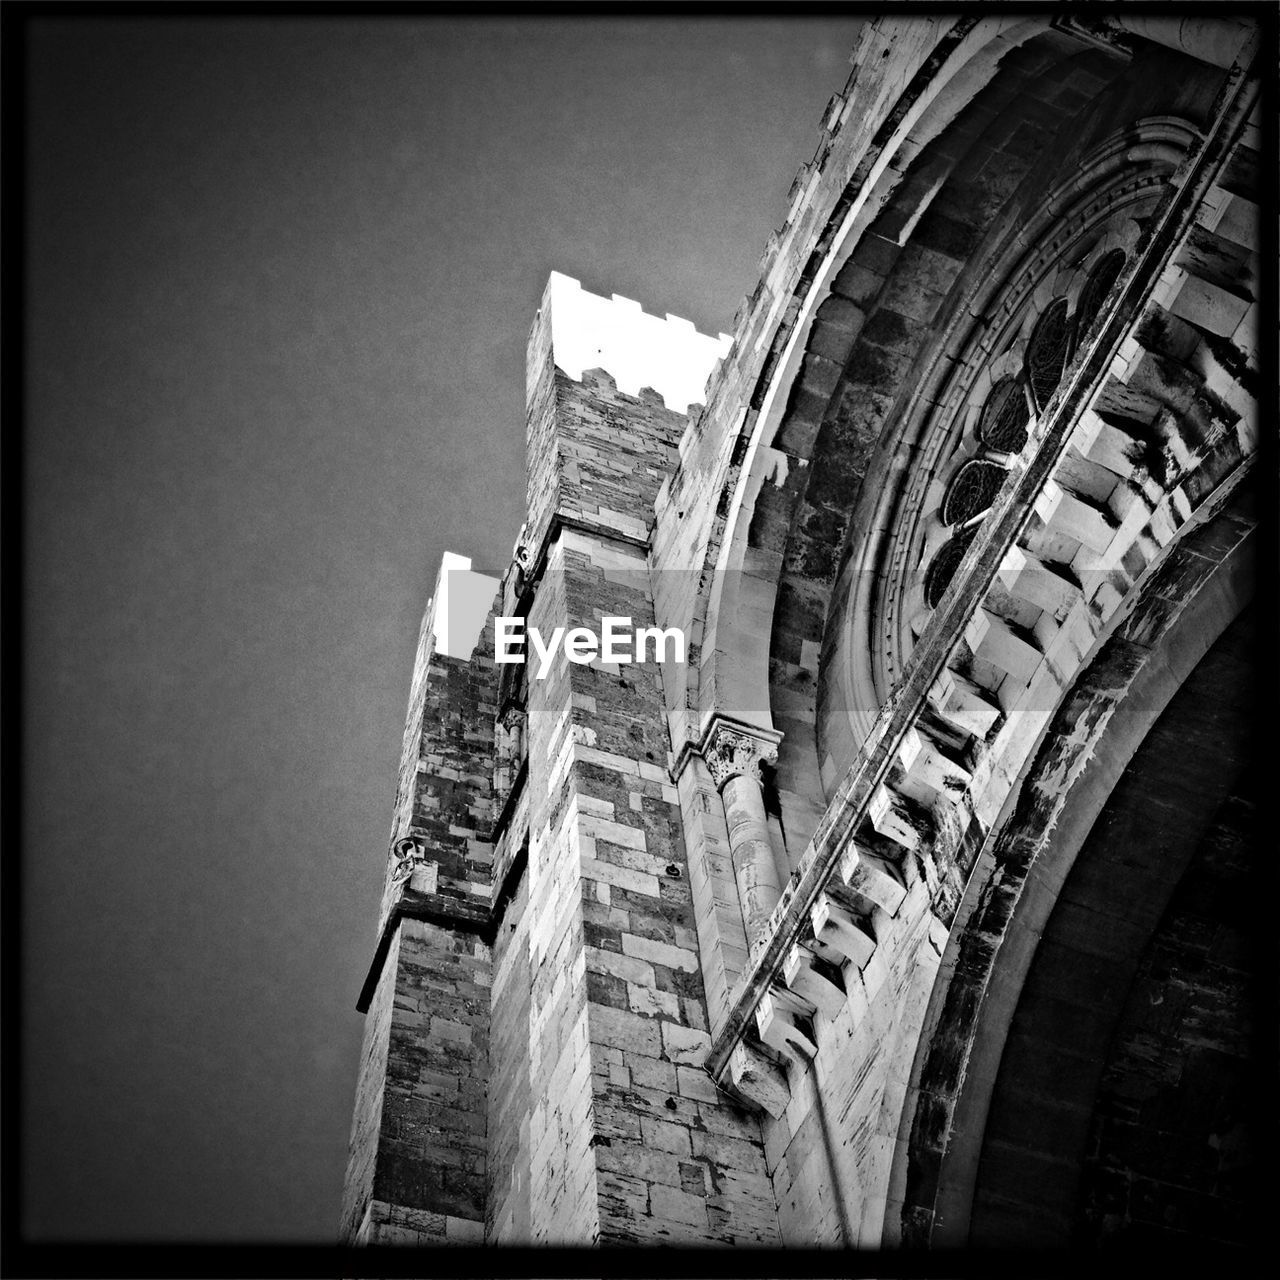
{"type": "Point", "coordinates": [1112, 1116]}
{"type": "Point", "coordinates": [1127, 1061]}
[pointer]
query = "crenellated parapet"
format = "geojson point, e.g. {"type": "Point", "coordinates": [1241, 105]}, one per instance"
{"type": "Point", "coordinates": [609, 390]}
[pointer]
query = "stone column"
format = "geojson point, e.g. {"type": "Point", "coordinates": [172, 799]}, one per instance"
{"type": "Point", "coordinates": [734, 758]}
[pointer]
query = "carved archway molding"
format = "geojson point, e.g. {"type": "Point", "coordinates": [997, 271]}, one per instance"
{"type": "Point", "coordinates": [751, 591]}
{"type": "Point", "coordinates": [835, 200]}
{"type": "Point", "coordinates": [705, 511]}
{"type": "Point", "coordinates": [884, 872]}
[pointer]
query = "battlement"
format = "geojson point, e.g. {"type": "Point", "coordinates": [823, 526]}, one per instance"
{"type": "Point", "coordinates": [459, 606]}
{"type": "Point", "coordinates": [636, 349]}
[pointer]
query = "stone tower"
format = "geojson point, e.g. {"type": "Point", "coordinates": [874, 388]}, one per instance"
{"type": "Point", "coordinates": [846, 927]}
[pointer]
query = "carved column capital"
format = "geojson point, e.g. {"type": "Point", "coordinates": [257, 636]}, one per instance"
{"type": "Point", "coordinates": [732, 753]}
{"type": "Point", "coordinates": [511, 717]}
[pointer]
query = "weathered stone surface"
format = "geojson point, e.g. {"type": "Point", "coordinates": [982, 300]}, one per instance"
{"type": "Point", "coordinates": [631, 988]}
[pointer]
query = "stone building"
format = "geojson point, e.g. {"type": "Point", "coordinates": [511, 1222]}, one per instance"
{"type": "Point", "coordinates": [912, 907]}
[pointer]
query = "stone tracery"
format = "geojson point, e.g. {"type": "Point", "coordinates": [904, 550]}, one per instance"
{"type": "Point", "coordinates": [1048, 351]}
{"type": "Point", "coordinates": [1009, 411]}
{"type": "Point", "coordinates": [999, 402]}
{"type": "Point", "coordinates": [1005, 417]}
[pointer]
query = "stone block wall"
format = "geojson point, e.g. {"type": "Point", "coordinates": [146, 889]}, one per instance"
{"type": "Point", "coordinates": [561, 1168]}
{"type": "Point", "coordinates": [509, 1197]}
{"type": "Point", "coordinates": [428, 1168]}
{"type": "Point", "coordinates": [630, 1140]}
{"type": "Point", "coordinates": [1172, 1146]}
{"type": "Point", "coordinates": [366, 1127]}
{"type": "Point", "coordinates": [603, 1126]}
{"type": "Point", "coordinates": [417, 1163]}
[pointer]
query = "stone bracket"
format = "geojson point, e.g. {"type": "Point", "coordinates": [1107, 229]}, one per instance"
{"type": "Point", "coordinates": [929, 774]}
{"type": "Point", "coordinates": [800, 976]}
{"type": "Point", "coordinates": [776, 1023]}
{"type": "Point", "coordinates": [871, 880]}
{"type": "Point", "coordinates": [993, 640]}
{"type": "Point", "coordinates": [962, 704]}
{"type": "Point", "coordinates": [757, 1081]}
{"type": "Point", "coordinates": [838, 929]}
{"type": "Point", "coordinates": [890, 819]}
{"type": "Point", "coordinates": [1066, 513]}
{"type": "Point", "coordinates": [1030, 579]}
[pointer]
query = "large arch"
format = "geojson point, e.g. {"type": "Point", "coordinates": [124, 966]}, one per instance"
{"type": "Point", "coordinates": [905, 720]}
{"type": "Point", "coordinates": [1018, 155]}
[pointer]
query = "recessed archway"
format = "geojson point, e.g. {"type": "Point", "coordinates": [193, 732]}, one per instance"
{"type": "Point", "coordinates": [1013, 901]}
{"type": "Point", "coordinates": [1080, 1015]}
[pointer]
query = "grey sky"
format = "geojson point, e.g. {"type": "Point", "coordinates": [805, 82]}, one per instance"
{"type": "Point", "coordinates": [280, 279]}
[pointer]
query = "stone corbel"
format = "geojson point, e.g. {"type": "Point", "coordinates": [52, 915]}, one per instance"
{"type": "Point", "coordinates": [871, 880]}
{"type": "Point", "coordinates": [840, 930]}
{"type": "Point", "coordinates": [757, 1081]}
{"type": "Point", "coordinates": [411, 866]}
{"type": "Point", "coordinates": [778, 1023]}
{"type": "Point", "coordinates": [929, 775]}
{"type": "Point", "coordinates": [889, 818]}
{"type": "Point", "coordinates": [962, 704]}
{"type": "Point", "coordinates": [801, 976]}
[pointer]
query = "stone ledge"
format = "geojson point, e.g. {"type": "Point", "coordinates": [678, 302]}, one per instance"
{"type": "Point", "coordinates": [448, 913]}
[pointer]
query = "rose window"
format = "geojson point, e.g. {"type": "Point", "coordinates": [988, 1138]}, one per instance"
{"type": "Point", "coordinates": [1006, 416]}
